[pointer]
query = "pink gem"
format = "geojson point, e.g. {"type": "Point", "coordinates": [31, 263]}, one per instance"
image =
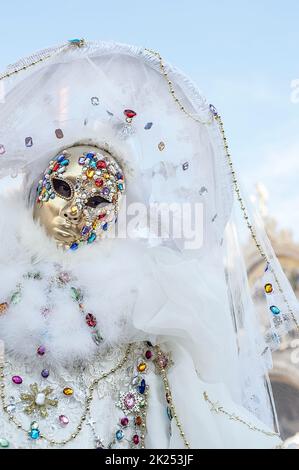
{"type": "Point", "coordinates": [64, 277]}
{"type": "Point", "coordinates": [41, 350]}
{"type": "Point", "coordinates": [91, 320]}
{"type": "Point", "coordinates": [136, 439]}
{"type": "Point", "coordinates": [63, 420]}
{"type": "Point", "coordinates": [129, 401]}
{"type": "Point", "coordinates": [148, 354]}
{"type": "Point", "coordinates": [163, 361]}
{"type": "Point", "coordinates": [124, 421]}
{"type": "Point", "coordinates": [17, 379]}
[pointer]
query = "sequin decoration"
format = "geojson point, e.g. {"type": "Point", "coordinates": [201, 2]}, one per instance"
{"type": "Point", "coordinates": [161, 146]}
{"type": "Point", "coordinates": [95, 101]}
{"type": "Point", "coordinates": [59, 133]}
{"type": "Point", "coordinates": [28, 142]}
{"type": "Point", "coordinates": [185, 166]}
{"type": "Point", "coordinates": [148, 126]}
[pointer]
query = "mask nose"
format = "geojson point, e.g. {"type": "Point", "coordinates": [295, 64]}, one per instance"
{"type": "Point", "coordinates": [72, 213]}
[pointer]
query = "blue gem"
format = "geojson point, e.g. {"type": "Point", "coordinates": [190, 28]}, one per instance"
{"type": "Point", "coordinates": [105, 226]}
{"type": "Point", "coordinates": [64, 162]}
{"type": "Point", "coordinates": [119, 435]}
{"type": "Point", "coordinates": [89, 155]}
{"type": "Point", "coordinates": [34, 434]}
{"type": "Point", "coordinates": [52, 196]}
{"type": "Point", "coordinates": [119, 176]}
{"type": "Point", "coordinates": [60, 158]}
{"type": "Point", "coordinates": [75, 41]}
{"type": "Point", "coordinates": [92, 238]}
{"type": "Point", "coordinates": [142, 386]}
{"type": "Point", "coordinates": [85, 230]}
{"type": "Point", "coordinates": [93, 164]}
{"type": "Point", "coordinates": [169, 413]}
{"type": "Point", "coordinates": [148, 125]}
{"type": "Point", "coordinates": [120, 186]}
{"type": "Point", "coordinates": [74, 246]}
{"type": "Point", "coordinates": [275, 310]}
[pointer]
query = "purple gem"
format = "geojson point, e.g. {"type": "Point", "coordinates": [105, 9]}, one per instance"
{"type": "Point", "coordinates": [81, 160]}
{"type": "Point", "coordinates": [106, 191]}
{"type": "Point", "coordinates": [213, 110]}
{"type": "Point", "coordinates": [129, 401]}
{"type": "Point", "coordinates": [28, 142]}
{"type": "Point", "coordinates": [124, 421]}
{"type": "Point", "coordinates": [45, 373]}
{"type": "Point", "coordinates": [17, 379]}
{"type": "Point", "coordinates": [85, 230]}
{"type": "Point", "coordinates": [63, 420]}
{"type": "Point", "coordinates": [59, 133]}
{"type": "Point", "coordinates": [148, 354]}
{"type": "Point", "coordinates": [41, 350]}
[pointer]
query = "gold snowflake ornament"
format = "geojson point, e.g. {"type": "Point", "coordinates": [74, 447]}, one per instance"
{"type": "Point", "coordinates": [38, 401]}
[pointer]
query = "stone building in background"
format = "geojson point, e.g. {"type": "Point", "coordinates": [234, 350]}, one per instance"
{"type": "Point", "coordinates": [285, 373]}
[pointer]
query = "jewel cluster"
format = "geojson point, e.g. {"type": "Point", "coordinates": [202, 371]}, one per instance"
{"type": "Point", "coordinates": [100, 176]}
{"type": "Point", "coordinates": [56, 168]}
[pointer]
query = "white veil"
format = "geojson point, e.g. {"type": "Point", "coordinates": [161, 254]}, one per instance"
{"type": "Point", "coordinates": [174, 150]}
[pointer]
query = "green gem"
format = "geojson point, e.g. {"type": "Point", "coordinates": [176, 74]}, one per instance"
{"type": "Point", "coordinates": [142, 404]}
{"type": "Point", "coordinates": [4, 443]}
{"type": "Point", "coordinates": [76, 294]}
{"type": "Point", "coordinates": [16, 297]}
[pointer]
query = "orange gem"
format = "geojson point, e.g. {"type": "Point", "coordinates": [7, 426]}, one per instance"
{"type": "Point", "coordinates": [68, 391]}
{"type": "Point", "coordinates": [268, 288]}
{"type": "Point", "coordinates": [3, 307]}
{"type": "Point", "coordinates": [138, 420]}
{"type": "Point", "coordinates": [90, 172]}
{"type": "Point", "coordinates": [142, 367]}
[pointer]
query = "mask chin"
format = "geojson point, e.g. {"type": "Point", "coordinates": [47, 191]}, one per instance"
{"type": "Point", "coordinates": [78, 196]}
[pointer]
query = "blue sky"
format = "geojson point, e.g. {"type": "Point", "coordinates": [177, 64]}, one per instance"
{"type": "Point", "coordinates": [243, 55]}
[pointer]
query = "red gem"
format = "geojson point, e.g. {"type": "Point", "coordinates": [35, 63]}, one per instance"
{"type": "Point", "coordinates": [98, 182]}
{"type": "Point", "coordinates": [101, 164]}
{"type": "Point", "coordinates": [124, 421]}
{"type": "Point", "coordinates": [136, 439]}
{"type": "Point", "coordinates": [91, 320]}
{"type": "Point", "coordinates": [56, 167]}
{"type": "Point", "coordinates": [148, 354]}
{"type": "Point", "coordinates": [129, 113]}
{"type": "Point", "coordinates": [101, 216]}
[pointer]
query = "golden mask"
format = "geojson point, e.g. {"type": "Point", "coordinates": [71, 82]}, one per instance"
{"type": "Point", "coordinates": [78, 195]}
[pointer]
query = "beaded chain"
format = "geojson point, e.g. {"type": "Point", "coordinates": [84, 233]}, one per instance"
{"type": "Point", "coordinates": [88, 400]}
{"type": "Point", "coordinates": [217, 408]}
{"type": "Point", "coordinates": [169, 397]}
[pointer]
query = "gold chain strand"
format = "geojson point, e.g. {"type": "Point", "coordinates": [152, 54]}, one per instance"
{"type": "Point", "coordinates": [88, 400]}
{"type": "Point", "coordinates": [79, 43]}
{"type": "Point", "coordinates": [170, 399]}
{"type": "Point", "coordinates": [246, 218]}
{"type": "Point", "coordinates": [217, 408]}
{"type": "Point", "coordinates": [172, 90]}
{"type": "Point", "coordinates": [235, 181]}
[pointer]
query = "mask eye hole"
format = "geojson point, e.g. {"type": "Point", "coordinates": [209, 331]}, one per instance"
{"type": "Point", "coordinates": [62, 188]}
{"type": "Point", "coordinates": [95, 201]}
